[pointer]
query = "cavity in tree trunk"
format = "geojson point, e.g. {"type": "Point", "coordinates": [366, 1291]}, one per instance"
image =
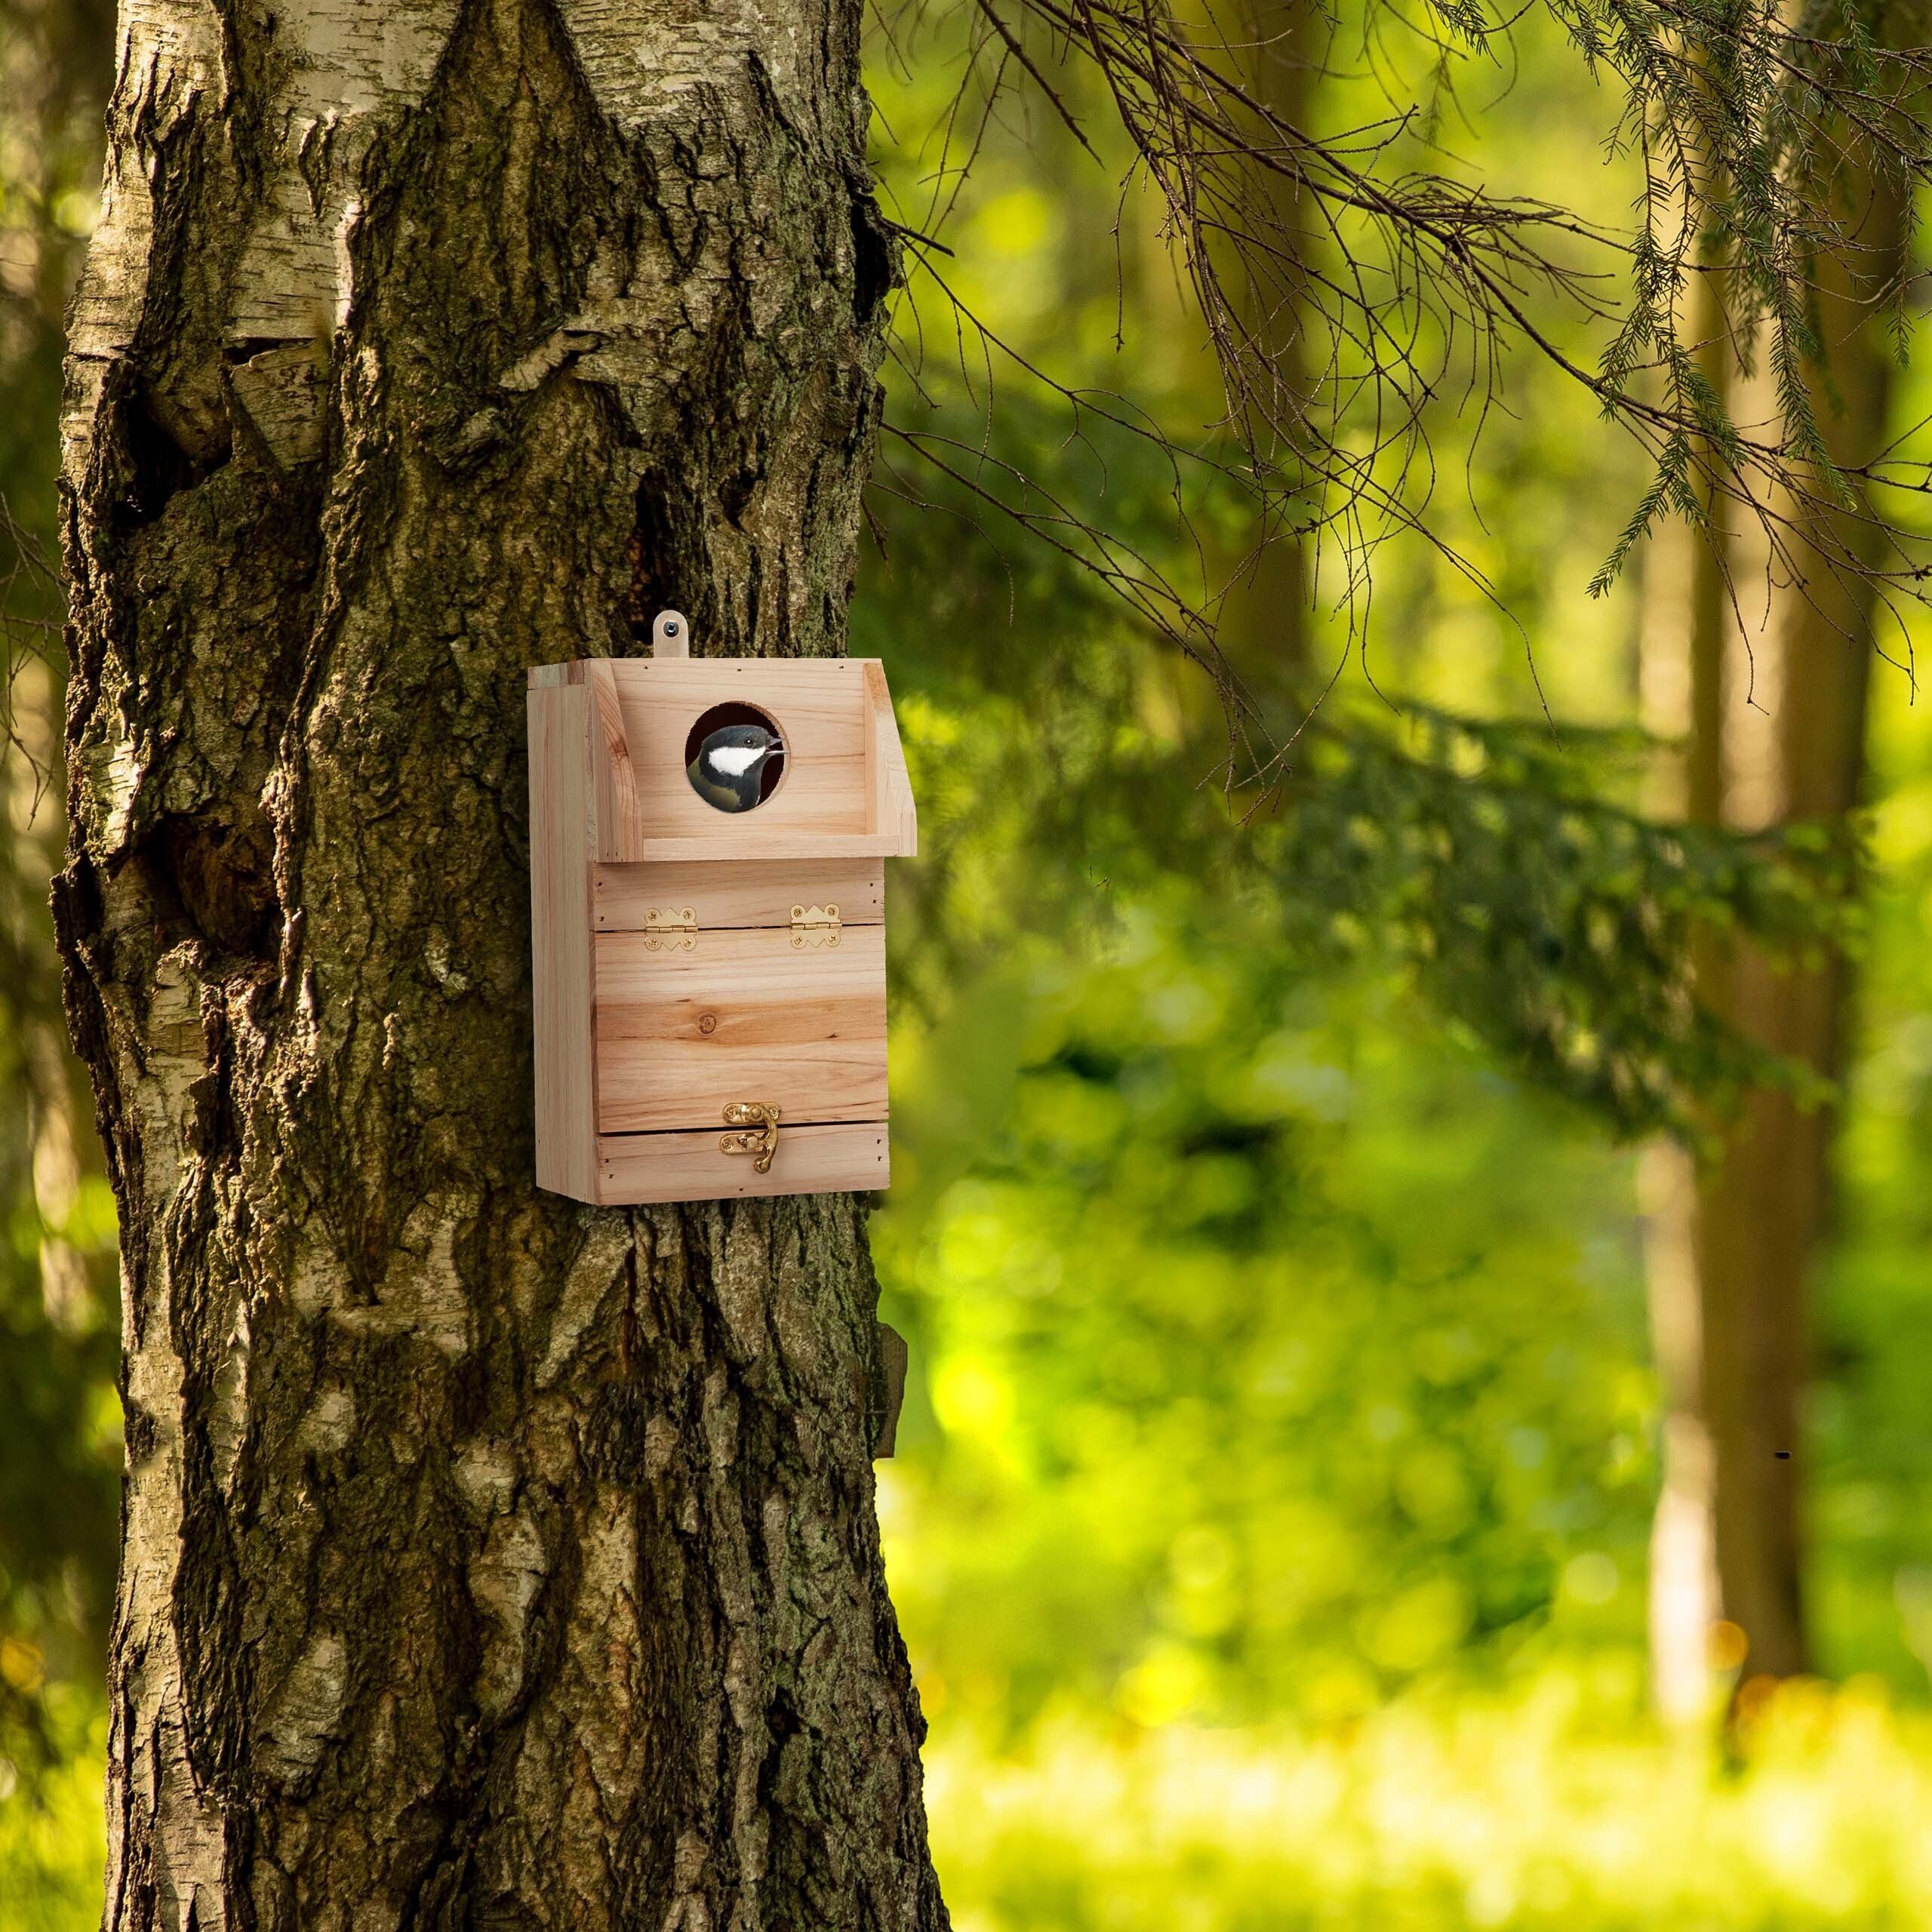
{"type": "Point", "coordinates": [1775, 715]}
{"type": "Point", "coordinates": [489, 1561]}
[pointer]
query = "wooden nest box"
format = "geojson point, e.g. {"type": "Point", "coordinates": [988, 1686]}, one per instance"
{"type": "Point", "coordinates": [710, 967]}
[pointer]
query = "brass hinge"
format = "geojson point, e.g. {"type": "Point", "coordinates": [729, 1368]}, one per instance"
{"type": "Point", "coordinates": [815, 925]}
{"type": "Point", "coordinates": [670, 930]}
{"type": "Point", "coordinates": [761, 1139]}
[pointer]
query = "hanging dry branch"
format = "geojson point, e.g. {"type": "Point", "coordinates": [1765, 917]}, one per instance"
{"type": "Point", "coordinates": [1402, 289]}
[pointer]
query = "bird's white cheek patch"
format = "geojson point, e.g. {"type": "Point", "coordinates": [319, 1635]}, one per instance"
{"type": "Point", "coordinates": [737, 759]}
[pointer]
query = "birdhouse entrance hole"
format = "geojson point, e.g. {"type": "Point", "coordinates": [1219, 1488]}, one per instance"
{"type": "Point", "coordinates": [722, 717]}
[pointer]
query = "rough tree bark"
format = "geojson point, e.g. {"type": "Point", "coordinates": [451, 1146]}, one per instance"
{"type": "Point", "coordinates": [1776, 728]}
{"type": "Point", "coordinates": [489, 1562]}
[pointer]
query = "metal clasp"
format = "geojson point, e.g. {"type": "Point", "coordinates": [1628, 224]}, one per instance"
{"type": "Point", "coordinates": [815, 925]}
{"type": "Point", "coordinates": [671, 929]}
{"type": "Point", "coordinates": [761, 1119]}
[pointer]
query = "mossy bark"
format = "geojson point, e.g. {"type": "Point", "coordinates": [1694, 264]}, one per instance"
{"type": "Point", "coordinates": [489, 1562]}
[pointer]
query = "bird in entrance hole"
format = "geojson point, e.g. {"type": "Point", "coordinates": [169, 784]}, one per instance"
{"type": "Point", "coordinates": [729, 770]}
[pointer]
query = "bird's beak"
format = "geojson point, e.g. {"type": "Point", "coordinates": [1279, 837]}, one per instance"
{"type": "Point", "coordinates": [775, 749]}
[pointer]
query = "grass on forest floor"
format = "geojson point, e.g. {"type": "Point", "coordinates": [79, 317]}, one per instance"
{"type": "Point", "coordinates": [1503, 1818]}
{"type": "Point", "coordinates": [1518, 1818]}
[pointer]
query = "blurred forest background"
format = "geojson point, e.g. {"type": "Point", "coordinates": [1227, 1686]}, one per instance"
{"type": "Point", "coordinates": [1274, 1190]}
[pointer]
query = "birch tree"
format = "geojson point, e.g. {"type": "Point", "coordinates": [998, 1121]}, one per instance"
{"type": "Point", "coordinates": [489, 1561]}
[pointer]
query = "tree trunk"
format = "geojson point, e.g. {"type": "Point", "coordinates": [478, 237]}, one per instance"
{"type": "Point", "coordinates": [1685, 616]}
{"type": "Point", "coordinates": [1776, 714]}
{"type": "Point", "coordinates": [489, 1562]}
{"type": "Point", "coordinates": [1266, 619]}
{"type": "Point", "coordinates": [56, 1292]}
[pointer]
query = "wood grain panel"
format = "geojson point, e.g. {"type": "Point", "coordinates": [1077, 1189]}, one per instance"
{"type": "Point", "coordinates": [561, 939]}
{"type": "Point", "coordinates": [853, 1155]}
{"type": "Point", "coordinates": [743, 1016]}
{"type": "Point", "coordinates": [819, 706]}
{"type": "Point", "coordinates": [889, 806]}
{"type": "Point", "coordinates": [814, 846]}
{"type": "Point", "coordinates": [619, 830]}
{"type": "Point", "coordinates": [741, 892]}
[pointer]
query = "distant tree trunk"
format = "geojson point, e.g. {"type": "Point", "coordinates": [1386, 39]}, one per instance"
{"type": "Point", "coordinates": [1685, 614]}
{"type": "Point", "coordinates": [489, 1561]}
{"type": "Point", "coordinates": [58, 1298]}
{"type": "Point", "coordinates": [1777, 718]}
{"type": "Point", "coordinates": [1265, 623]}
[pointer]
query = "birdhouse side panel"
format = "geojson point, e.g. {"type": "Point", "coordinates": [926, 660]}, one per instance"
{"type": "Point", "coordinates": [891, 814]}
{"type": "Point", "coordinates": [561, 939]}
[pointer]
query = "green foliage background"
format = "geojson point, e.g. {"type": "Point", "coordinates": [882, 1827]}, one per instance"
{"type": "Point", "coordinates": [1269, 1518]}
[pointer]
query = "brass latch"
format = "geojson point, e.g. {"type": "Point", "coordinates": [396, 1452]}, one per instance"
{"type": "Point", "coordinates": [761, 1138]}
{"type": "Point", "coordinates": [670, 930]}
{"type": "Point", "coordinates": [815, 925]}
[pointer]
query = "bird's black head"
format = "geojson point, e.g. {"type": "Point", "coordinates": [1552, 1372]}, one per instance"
{"type": "Point", "coordinates": [740, 738]}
